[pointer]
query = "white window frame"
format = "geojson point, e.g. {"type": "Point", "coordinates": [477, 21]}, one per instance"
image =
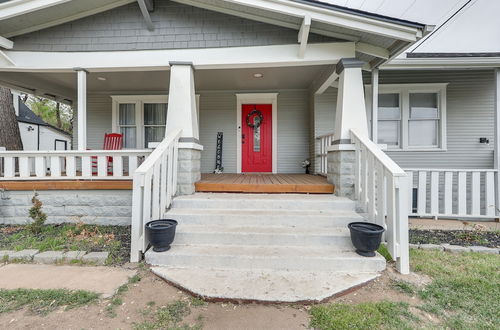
{"type": "Point", "coordinates": [139, 101]}
{"type": "Point", "coordinates": [404, 91]}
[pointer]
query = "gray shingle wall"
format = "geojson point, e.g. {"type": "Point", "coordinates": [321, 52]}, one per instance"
{"type": "Point", "coordinates": [177, 26]}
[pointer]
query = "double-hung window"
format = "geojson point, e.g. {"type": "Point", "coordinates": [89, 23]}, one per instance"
{"type": "Point", "coordinates": [140, 118]}
{"type": "Point", "coordinates": [411, 116]}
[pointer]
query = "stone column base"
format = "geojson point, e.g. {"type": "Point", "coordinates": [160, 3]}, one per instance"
{"type": "Point", "coordinates": [340, 172]}
{"type": "Point", "coordinates": [189, 171]}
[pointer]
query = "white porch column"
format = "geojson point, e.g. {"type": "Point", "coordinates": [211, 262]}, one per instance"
{"type": "Point", "coordinates": [182, 113]}
{"type": "Point", "coordinates": [82, 108]}
{"type": "Point", "coordinates": [497, 136]}
{"type": "Point", "coordinates": [182, 102]}
{"type": "Point", "coordinates": [374, 110]}
{"type": "Point", "coordinates": [350, 114]}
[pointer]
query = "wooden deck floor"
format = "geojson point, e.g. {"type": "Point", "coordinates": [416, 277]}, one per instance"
{"type": "Point", "coordinates": [264, 183]}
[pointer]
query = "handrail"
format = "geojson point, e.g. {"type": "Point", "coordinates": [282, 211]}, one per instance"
{"type": "Point", "coordinates": [382, 191]}
{"type": "Point", "coordinates": [324, 135]}
{"type": "Point", "coordinates": [155, 183]}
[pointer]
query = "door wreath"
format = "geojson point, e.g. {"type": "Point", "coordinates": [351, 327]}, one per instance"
{"type": "Point", "coordinates": [258, 114]}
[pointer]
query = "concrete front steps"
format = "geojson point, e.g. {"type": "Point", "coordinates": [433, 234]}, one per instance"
{"type": "Point", "coordinates": [275, 248]}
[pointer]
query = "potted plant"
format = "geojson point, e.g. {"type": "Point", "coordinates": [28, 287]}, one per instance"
{"type": "Point", "coordinates": [306, 164]}
{"type": "Point", "coordinates": [366, 237]}
{"type": "Point", "coordinates": [160, 234]}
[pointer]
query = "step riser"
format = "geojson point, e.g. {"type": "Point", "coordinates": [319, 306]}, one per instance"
{"type": "Point", "coordinates": [340, 242]}
{"type": "Point", "coordinates": [262, 220]}
{"type": "Point", "coordinates": [292, 264]}
{"type": "Point", "coordinates": [338, 205]}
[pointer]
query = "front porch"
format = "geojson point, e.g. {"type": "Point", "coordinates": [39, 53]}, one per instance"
{"type": "Point", "coordinates": [264, 183]}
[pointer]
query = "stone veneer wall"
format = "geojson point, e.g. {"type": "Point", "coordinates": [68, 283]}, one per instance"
{"type": "Point", "coordinates": [341, 172]}
{"type": "Point", "coordinates": [189, 170]}
{"type": "Point", "coordinates": [100, 207]}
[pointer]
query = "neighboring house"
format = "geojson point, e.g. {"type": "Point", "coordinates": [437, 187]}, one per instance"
{"type": "Point", "coordinates": [284, 81]}
{"type": "Point", "coordinates": [36, 134]}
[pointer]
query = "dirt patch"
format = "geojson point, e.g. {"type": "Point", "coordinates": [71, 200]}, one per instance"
{"type": "Point", "coordinates": [153, 291]}
{"type": "Point", "coordinates": [456, 237]}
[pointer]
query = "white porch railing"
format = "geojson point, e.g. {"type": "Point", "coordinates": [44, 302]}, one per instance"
{"type": "Point", "coordinates": [381, 189]}
{"type": "Point", "coordinates": [324, 142]}
{"type": "Point", "coordinates": [155, 183]}
{"type": "Point", "coordinates": [70, 164]}
{"type": "Point", "coordinates": [456, 193]}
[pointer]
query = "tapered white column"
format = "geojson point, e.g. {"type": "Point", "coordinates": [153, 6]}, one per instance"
{"type": "Point", "coordinates": [82, 108]}
{"type": "Point", "coordinates": [350, 114]}
{"type": "Point", "coordinates": [351, 109]}
{"type": "Point", "coordinates": [182, 102]}
{"type": "Point", "coordinates": [182, 113]}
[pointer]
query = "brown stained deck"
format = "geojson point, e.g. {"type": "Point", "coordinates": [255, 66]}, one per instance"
{"type": "Point", "coordinates": [264, 183]}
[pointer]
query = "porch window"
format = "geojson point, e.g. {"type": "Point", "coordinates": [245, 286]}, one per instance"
{"type": "Point", "coordinates": [140, 118]}
{"type": "Point", "coordinates": [411, 116]}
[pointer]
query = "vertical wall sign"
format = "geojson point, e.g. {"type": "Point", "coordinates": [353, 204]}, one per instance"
{"type": "Point", "coordinates": [218, 153]}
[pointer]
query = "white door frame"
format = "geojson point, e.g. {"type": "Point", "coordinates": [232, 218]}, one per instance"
{"type": "Point", "coordinates": [257, 98]}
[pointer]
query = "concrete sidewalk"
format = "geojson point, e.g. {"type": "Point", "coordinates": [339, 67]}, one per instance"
{"type": "Point", "coordinates": [102, 280]}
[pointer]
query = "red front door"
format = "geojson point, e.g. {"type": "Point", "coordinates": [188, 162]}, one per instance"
{"type": "Point", "coordinates": [256, 141]}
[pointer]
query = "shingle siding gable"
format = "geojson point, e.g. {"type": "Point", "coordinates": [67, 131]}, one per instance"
{"type": "Point", "coordinates": [177, 26]}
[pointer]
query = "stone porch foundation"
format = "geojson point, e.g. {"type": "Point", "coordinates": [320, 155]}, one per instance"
{"type": "Point", "coordinates": [341, 172]}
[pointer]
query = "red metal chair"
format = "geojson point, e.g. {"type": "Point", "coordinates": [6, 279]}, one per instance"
{"type": "Point", "coordinates": [112, 141]}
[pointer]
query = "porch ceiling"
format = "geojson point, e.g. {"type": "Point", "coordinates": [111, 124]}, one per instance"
{"type": "Point", "coordinates": [63, 84]}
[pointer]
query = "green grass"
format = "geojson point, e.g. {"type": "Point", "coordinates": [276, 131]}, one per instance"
{"type": "Point", "coordinates": [117, 300]}
{"type": "Point", "coordinates": [69, 237]}
{"type": "Point", "coordinates": [465, 289]}
{"type": "Point", "coordinates": [43, 301]}
{"type": "Point", "coordinates": [374, 315]}
{"type": "Point", "coordinates": [169, 318]}
{"type": "Point", "coordinates": [464, 294]}
{"type": "Point", "coordinates": [384, 252]}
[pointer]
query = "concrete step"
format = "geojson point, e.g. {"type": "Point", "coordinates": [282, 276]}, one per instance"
{"type": "Point", "coordinates": [262, 285]}
{"type": "Point", "coordinates": [263, 202]}
{"type": "Point", "coordinates": [290, 258]}
{"type": "Point", "coordinates": [315, 218]}
{"type": "Point", "coordinates": [264, 236]}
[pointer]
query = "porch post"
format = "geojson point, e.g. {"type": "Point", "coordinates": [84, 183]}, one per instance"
{"type": "Point", "coordinates": [350, 114]}
{"type": "Point", "coordinates": [182, 113]}
{"type": "Point", "coordinates": [497, 137]}
{"type": "Point", "coordinates": [374, 122]}
{"type": "Point", "coordinates": [82, 108]}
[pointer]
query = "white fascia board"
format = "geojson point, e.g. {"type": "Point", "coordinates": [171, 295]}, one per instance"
{"type": "Point", "coordinates": [208, 58]}
{"type": "Point", "coordinates": [332, 17]}
{"type": "Point", "coordinates": [62, 20]}
{"type": "Point", "coordinates": [19, 7]}
{"type": "Point", "coordinates": [442, 63]}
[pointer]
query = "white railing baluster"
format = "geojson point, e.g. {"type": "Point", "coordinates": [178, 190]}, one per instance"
{"type": "Point", "coordinates": [324, 142]}
{"type": "Point", "coordinates": [466, 202]}
{"type": "Point", "coordinates": [462, 193]}
{"type": "Point", "coordinates": [55, 167]}
{"type": "Point", "coordinates": [24, 167]}
{"type": "Point", "coordinates": [434, 192]}
{"type": "Point", "coordinates": [422, 192]}
{"type": "Point", "coordinates": [117, 166]}
{"type": "Point", "coordinates": [40, 167]}
{"type": "Point", "coordinates": [475, 193]}
{"type": "Point", "coordinates": [384, 190]}
{"type": "Point", "coordinates": [62, 164]}
{"type": "Point", "coordinates": [448, 192]}
{"type": "Point", "coordinates": [155, 182]}
{"type": "Point", "coordinates": [410, 192]}
{"type": "Point", "coordinates": [490, 194]}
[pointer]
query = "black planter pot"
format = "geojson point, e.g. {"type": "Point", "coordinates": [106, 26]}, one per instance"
{"type": "Point", "coordinates": [161, 233]}
{"type": "Point", "coordinates": [366, 237]}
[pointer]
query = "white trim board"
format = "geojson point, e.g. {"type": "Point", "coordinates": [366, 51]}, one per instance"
{"type": "Point", "coordinates": [204, 58]}
{"type": "Point", "coordinates": [254, 98]}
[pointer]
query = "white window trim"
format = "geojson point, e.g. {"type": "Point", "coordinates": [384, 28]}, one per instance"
{"type": "Point", "coordinates": [139, 101]}
{"type": "Point", "coordinates": [255, 98]}
{"type": "Point", "coordinates": [404, 91]}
